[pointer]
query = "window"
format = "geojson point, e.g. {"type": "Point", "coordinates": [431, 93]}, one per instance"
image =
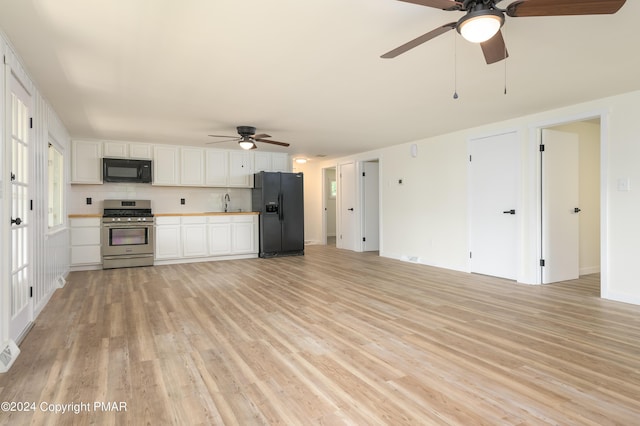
{"type": "Point", "coordinates": [56, 185]}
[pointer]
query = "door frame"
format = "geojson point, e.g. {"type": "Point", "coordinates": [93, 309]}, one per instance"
{"type": "Point", "coordinates": [535, 137]}
{"type": "Point", "coordinates": [325, 195]}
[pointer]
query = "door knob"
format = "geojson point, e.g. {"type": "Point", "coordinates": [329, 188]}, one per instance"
{"type": "Point", "coordinates": [17, 221]}
{"type": "Point", "coordinates": [351, 209]}
{"type": "Point", "coordinates": [577, 210]}
{"type": "Point", "coordinates": [512, 211]}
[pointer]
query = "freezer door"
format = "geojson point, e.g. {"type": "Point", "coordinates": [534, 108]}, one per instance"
{"type": "Point", "coordinates": [270, 235]}
{"type": "Point", "coordinates": [292, 212]}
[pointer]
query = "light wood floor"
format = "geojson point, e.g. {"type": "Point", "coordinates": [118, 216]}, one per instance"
{"type": "Point", "coordinates": [331, 338]}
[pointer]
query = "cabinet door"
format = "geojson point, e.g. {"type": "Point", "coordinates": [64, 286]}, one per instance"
{"type": "Point", "coordinates": [280, 162]}
{"type": "Point", "coordinates": [262, 162]}
{"type": "Point", "coordinates": [192, 166]}
{"type": "Point", "coordinates": [219, 239]}
{"type": "Point", "coordinates": [243, 235]}
{"type": "Point", "coordinates": [194, 240]}
{"type": "Point", "coordinates": [240, 169]}
{"type": "Point", "coordinates": [86, 162]}
{"type": "Point", "coordinates": [113, 149]}
{"type": "Point", "coordinates": [217, 167]}
{"type": "Point", "coordinates": [165, 165]}
{"type": "Point", "coordinates": [140, 151]}
{"type": "Point", "coordinates": [168, 242]}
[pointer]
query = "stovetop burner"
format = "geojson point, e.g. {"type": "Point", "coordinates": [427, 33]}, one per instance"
{"type": "Point", "coordinates": [127, 208]}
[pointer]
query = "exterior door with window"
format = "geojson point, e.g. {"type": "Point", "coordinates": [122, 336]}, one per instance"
{"type": "Point", "coordinates": [21, 310]}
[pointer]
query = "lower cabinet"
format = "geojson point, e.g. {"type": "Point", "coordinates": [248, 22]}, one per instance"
{"type": "Point", "coordinates": [85, 242]}
{"type": "Point", "coordinates": [199, 238]}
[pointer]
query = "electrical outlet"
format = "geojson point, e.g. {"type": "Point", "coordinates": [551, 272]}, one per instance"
{"type": "Point", "coordinates": [182, 201]}
{"type": "Point", "coordinates": [89, 201]}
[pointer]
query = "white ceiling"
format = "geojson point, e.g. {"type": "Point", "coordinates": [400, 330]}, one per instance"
{"type": "Point", "coordinates": [306, 72]}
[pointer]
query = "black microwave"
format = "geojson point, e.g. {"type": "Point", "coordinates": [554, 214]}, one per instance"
{"type": "Point", "coordinates": [122, 170]}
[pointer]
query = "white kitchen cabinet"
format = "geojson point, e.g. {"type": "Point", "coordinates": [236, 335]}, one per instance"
{"type": "Point", "coordinates": [168, 238]}
{"type": "Point", "coordinates": [280, 162]}
{"type": "Point", "coordinates": [85, 241]}
{"type": "Point", "coordinates": [166, 165]}
{"type": "Point", "coordinates": [115, 149]}
{"type": "Point", "coordinates": [191, 166]}
{"type": "Point", "coordinates": [140, 151]}
{"type": "Point", "coordinates": [240, 169]}
{"type": "Point", "coordinates": [244, 231]}
{"type": "Point", "coordinates": [86, 162]}
{"type": "Point", "coordinates": [271, 162]}
{"type": "Point", "coordinates": [194, 236]}
{"type": "Point", "coordinates": [216, 167]}
{"type": "Point", "coordinates": [219, 230]}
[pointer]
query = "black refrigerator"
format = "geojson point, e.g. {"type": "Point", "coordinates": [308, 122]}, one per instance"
{"type": "Point", "coordinates": [278, 197]}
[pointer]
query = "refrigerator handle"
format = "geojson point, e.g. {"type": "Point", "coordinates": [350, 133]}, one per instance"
{"type": "Point", "coordinates": [280, 209]}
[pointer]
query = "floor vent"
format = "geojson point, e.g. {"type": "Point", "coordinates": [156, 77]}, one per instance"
{"type": "Point", "coordinates": [9, 354]}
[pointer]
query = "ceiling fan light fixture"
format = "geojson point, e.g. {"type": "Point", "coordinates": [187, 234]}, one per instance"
{"type": "Point", "coordinates": [246, 143]}
{"type": "Point", "coordinates": [479, 26]}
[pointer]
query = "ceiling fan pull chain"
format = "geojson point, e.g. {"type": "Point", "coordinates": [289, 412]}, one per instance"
{"type": "Point", "coordinates": [455, 66]}
{"type": "Point", "coordinates": [505, 66]}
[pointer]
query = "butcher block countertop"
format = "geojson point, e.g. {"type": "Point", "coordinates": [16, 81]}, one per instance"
{"type": "Point", "coordinates": [204, 214]}
{"type": "Point", "coordinates": [76, 216]}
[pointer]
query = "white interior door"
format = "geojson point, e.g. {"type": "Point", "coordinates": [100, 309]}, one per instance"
{"type": "Point", "coordinates": [18, 145]}
{"type": "Point", "coordinates": [494, 177]}
{"type": "Point", "coordinates": [347, 202]}
{"type": "Point", "coordinates": [371, 207]}
{"type": "Point", "coordinates": [560, 219]}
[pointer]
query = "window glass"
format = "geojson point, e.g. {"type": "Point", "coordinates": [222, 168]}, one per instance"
{"type": "Point", "coordinates": [56, 186]}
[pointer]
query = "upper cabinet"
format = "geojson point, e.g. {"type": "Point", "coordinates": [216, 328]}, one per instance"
{"type": "Point", "coordinates": [271, 162]}
{"type": "Point", "coordinates": [191, 166]}
{"type": "Point", "coordinates": [166, 165]}
{"type": "Point", "coordinates": [216, 167]}
{"type": "Point", "coordinates": [86, 162]}
{"type": "Point", "coordinates": [177, 165]}
{"type": "Point", "coordinates": [240, 169]}
{"type": "Point", "coordinates": [133, 150]}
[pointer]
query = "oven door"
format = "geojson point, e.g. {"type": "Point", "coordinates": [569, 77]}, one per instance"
{"type": "Point", "coordinates": [127, 239]}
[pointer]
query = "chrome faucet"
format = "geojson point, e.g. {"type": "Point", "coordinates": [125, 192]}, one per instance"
{"type": "Point", "coordinates": [227, 200]}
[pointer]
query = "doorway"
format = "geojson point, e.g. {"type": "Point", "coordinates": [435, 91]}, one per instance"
{"type": "Point", "coordinates": [570, 200]}
{"type": "Point", "coordinates": [330, 193]}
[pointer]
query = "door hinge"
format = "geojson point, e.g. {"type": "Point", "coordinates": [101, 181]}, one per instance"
{"type": "Point", "coordinates": [541, 147]}
{"type": "Point", "coordinates": [469, 158]}
{"type": "Point", "coordinates": [31, 205]}
{"type": "Point", "coordinates": [362, 174]}
{"type": "Point", "coordinates": [31, 291]}
{"type": "Point", "coordinates": [31, 122]}
{"type": "Point", "coordinates": [470, 255]}
{"type": "Point", "coordinates": [364, 239]}
{"type": "Point", "coordinates": [13, 177]}
{"type": "Point", "coordinates": [541, 262]}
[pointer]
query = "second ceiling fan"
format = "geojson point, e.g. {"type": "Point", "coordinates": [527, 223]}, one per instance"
{"type": "Point", "coordinates": [248, 138]}
{"type": "Point", "coordinates": [483, 20]}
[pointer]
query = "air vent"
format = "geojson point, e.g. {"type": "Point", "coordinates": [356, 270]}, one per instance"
{"type": "Point", "coordinates": [8, 356]}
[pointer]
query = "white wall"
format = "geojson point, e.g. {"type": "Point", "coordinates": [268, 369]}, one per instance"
{"type": "Point", "coordinates": [426, 215]}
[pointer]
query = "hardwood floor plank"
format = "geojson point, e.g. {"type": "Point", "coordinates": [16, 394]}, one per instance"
{"type": "Point", "coordinates": [329, 338]}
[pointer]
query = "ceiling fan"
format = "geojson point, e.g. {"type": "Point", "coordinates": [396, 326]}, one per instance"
{"type": "Point", "coordinates": [248, 138]}
{"type": "Point", "coordinates": [483, 20]}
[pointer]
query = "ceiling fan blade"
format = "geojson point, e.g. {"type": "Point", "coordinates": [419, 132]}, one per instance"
{"type": "Point", "coordinates": [494, 49]}
{"type": "Point", "coordinates": [261, 135]}
{"type": "Point", "coordinates": [563, 7]}
{"type": "Point", "coordinates": [418, 41]}
{"type": "Point", "coordinates": [226, 140]}
{"type": "Point", "coordinates": [438, 4]}
{"type": "Point", "coordinates": [272, 142]}
{"type": "Point", "coordinates": [223, 136]}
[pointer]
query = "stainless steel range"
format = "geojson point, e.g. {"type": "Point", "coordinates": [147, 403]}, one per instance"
{"type": "Point", "coordinates": [128, 234]}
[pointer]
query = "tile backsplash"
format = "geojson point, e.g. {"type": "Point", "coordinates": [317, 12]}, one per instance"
{"type": "Point", "coordinates": [164, 199]}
